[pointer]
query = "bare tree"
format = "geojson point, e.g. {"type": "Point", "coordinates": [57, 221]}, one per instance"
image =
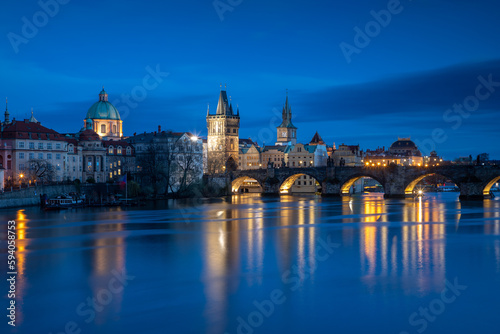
{"type": "Point", "coordinates": [215, 161]}
{"type": "Point", "coordinates": [41, 170]}
{"type": "Point", "coordinates": [169, 155]}
{"type": "Point", "coordinates": [152, 166]}
{"type": "Point", "coordinates": [188, 168]}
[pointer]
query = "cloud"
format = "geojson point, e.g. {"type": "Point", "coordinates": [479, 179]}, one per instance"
{"type": "Point", "coordinates": [415, 97]}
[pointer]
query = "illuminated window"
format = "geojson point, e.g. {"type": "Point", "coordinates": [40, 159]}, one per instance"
{"type": "Point", "coordinates": [103, 128]}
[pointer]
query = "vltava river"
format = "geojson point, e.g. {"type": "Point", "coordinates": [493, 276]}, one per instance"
{"type": "Point", "coordinates": [298, 264]}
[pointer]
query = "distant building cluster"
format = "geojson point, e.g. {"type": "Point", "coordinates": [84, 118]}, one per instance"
{"type": "Point", "coordinates": [170, 161]}
{"type": "Point", "coordinates": [226, 151]}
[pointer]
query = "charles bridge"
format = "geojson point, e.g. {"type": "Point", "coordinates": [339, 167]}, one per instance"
{"type": "Point", "coordinates": [474, 181]}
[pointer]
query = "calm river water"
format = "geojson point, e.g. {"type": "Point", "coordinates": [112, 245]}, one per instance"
{"type": "Point", "coordinates": [298, 264]}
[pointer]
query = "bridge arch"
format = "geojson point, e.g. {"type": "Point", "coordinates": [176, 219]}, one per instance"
{"type": "Point", "coordinates": [237, 183]}
{"type": "Point", "coordinates": [487, 188]}
{"type": "Point", "coordinates": [411, 186]}
{"type": "Point", "coordinates": [287, 184]}
{"type": "Point", "coordinates": [346, 186]}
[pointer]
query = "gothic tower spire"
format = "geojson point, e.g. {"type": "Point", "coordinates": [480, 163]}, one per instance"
{"type": "Point", "coordinates": [7, 114]}
{"type": "Point", "coordinates": [286, 130]}
{"type": "Point", "coordinates": [223, 136]}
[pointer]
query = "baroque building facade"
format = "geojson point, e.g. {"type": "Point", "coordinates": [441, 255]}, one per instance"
{"type": "Point", "coordinates": [31, 152]}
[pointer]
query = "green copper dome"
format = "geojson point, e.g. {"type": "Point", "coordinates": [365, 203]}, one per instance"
{"type": "Point", "coordinates": [103, 109]}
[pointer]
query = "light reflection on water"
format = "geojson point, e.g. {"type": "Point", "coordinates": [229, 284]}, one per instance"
{"type": "Point", "coordinates": [200, 266]}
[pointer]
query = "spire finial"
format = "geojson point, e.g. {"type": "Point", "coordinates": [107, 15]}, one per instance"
{"type": "Point", "coordinates": [221, 86]}
{"type": "Point", "coordinates": [225, 86]}
{"type": "Point", "coordinates": [31, 111]}
{"type": "Point", "coordinates": [6, 104]}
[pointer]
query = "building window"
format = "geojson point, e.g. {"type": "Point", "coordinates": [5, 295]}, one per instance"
{"type": "Point", "coordinates": [58, 156]}
{"type": "Point", "coordinates": [110, 150]}
{"type": "Point", "coordinates": [74, 169]}
{"type": "Point", "coordinates": [40, 146]}
{"type": "Point", "coordinates": [21, 144]}
{"type": "Point", "coordinates": [49, 155]}
{"type": "Point", "coordinates": [49, 146]}
{"type": "Point", "coordinates": [40, 155]}
{"type": "Point", "coordinates": [21, 155]}
{"type": "Point", "coordinates": [298, 183]}
{"type": "Point", "coordinates": [114, 128]}
{"type": "Point", "coordinates": [21, 166]}
{"type": "Point", "coordinates": [32, 146]}
{"type": "Point", "coordinates": [58, 146]}
{"type": "Point", "coordinates": [119, 150]}
{"type": "Point", "coordinates": [115, 163]}
{"type": "Point", "coordinates": [119, 162]}
{"type": "Point", "coordinates": [128, 151]}
{"type": "Point", "coordinates": [58, 167]}
{"type": "Point", "coordinates": [110, 175]}
{"type": "Point", "coordinates": [119, 171]}
{"type": "Point", "coordinates": [32, 156]}
{"type": "Point", "coordinates": [103, 128]}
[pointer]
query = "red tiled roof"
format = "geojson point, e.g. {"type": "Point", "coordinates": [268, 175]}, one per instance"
{"type": "Point", "coordinates": [89, 135]}
{"type": "Point", "coordinates": [29, 130]}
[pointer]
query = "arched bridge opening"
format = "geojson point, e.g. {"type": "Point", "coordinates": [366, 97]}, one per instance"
{"type": "Point", "coordinates": [361, 184]}
{"type": "Point", "coordinates": [489, 186]}
{"type": "Point", "coordinates": [246, 184]}
{"type": "Point", "coordinates": [300, 183]}
{"type": "Point", "coordinates": [435, 182]}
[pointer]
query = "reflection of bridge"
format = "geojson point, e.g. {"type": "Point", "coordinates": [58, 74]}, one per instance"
{"type": "Point", "coordinates": [474, 182]}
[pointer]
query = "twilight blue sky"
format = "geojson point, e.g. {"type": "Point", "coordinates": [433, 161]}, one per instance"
{"type": "Point", "coordinates": [400, 83]}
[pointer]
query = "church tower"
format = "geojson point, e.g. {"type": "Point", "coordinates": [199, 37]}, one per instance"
{"type": "Point", "coordinates": [7, 114]}
{"type": "Point", "coordinates": [287, 132]}
{"type": "Point", "coordinates": [223, 136]}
